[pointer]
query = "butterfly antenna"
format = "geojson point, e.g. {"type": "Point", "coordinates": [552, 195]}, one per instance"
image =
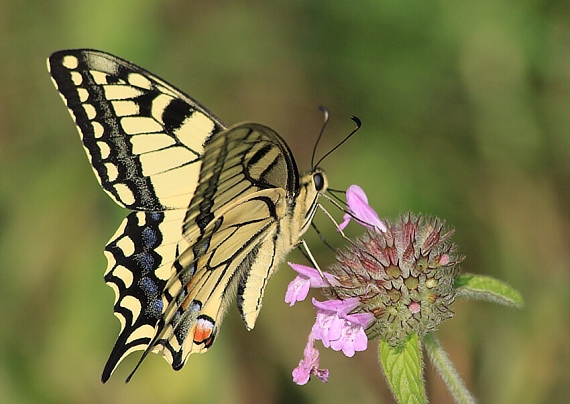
{"type": "Point", "coordinates": [358, 125]}
{"type": "Point", "coordinates": [326, 120]}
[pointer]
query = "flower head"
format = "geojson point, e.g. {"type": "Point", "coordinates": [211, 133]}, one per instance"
{"type": "Point", "coordinates": [395, 280]}
{"type": "Point", "coordinates": [404, 276]}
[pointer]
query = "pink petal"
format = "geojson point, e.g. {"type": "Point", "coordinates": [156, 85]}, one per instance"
{"type": "Point", "coordinates": [362, 319]}
{"type": "Point", "coordinates": [345, 220]}
{"type": "Point", "coordinates": [314, 276]}
{"type": "Point", "coordinates": [301, 374]}
{"type": "Point", "coordinates": [358, 207]}
{"type": "Point", "coordinates": [414, 307]}
{"type": "Point", "coordinates": [297, 290]}
{"type": "Point", "coordinates": [338, 306]}
{"type": "Point", "coordinates": [309, 365]}
{"type": "Point", "coordinates": [360, 340]}
{"type": "Point", "coordinates": [327, 327]}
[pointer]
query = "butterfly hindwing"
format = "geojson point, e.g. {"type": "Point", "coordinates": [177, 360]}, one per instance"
{"type": "Point", "coordinates": [140, 263]}
{"type": "Point", "coordinates": [141, 134]}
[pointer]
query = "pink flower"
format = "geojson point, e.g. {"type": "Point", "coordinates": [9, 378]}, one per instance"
{"type": "Point", "coordinates": [309, 365]}
{"type": "Point", "coordinates": [334, 326]}
{"type": "Point", "coordinates": [339, 330]}
{"type": "Point", "coordinates": [336, 329]}
{"type": "Point", "coordinates": [353, 338]}
{"type": "Point", "coordinates": [360, 210]}
{"type": "Point", "coordinates": [307, 278]}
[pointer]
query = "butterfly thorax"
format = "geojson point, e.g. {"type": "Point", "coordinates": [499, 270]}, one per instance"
{"type": "Point", "coordinates": [311, 186]}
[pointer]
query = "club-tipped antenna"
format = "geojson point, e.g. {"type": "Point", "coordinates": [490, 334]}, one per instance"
{"type": "Point", "coordinates": [358, 125]}
{"type": "Point", "coordinates": [326, 120]}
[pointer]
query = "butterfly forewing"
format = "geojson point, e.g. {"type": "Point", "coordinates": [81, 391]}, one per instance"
{"type": "Point", "coordinates": [142, 134]}
{"type": "Point", "coordinates": [215, 210]}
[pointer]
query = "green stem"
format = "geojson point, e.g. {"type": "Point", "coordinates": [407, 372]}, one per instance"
{"type": "Point", "coordinates": [446, 370]}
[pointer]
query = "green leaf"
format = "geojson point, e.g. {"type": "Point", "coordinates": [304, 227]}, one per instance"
{"type": "Point", "coordinates": [446, 370]}
{"type": "Point", "coordinates": [403, 368]}
{"type": "Point", "coordinates": [486, 288]}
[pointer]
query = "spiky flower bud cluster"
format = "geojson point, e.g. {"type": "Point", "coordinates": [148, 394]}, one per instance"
{"type": "Point", "coordinates": [403, 275]}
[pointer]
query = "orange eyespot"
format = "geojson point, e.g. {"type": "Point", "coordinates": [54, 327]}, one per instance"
{"type": "Point", "coordinates": [204, 331]}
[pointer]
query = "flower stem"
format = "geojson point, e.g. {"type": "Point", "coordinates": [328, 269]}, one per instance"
{"type": "Point", "coordinates": [446, 370]}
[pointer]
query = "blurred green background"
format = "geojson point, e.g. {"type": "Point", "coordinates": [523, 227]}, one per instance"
{"type": "Point", "coordinates": [466, 115]}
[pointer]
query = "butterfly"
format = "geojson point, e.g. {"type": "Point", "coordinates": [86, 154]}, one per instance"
{"type": "Point", "coordinates": [214, 209]}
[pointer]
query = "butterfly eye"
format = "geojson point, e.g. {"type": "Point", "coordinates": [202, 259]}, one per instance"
{"type": "Point", "coordinates": [319, 181]}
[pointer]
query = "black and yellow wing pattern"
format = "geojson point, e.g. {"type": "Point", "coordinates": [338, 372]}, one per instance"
{"type": "Point", "coordinates": [214, 209]}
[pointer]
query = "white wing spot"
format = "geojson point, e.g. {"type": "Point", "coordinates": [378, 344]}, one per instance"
{"type": "Point", "coordinates": [194, 131]}
{"type": "Point", "coordinates": [147, 143]}
{"type": "Point", "coordinates": [138, 80]}
{"type": "Point", "coordinates": [134, 125]}
{"type": "Point", "coordinates": [110, 258]}
{"type": "Point", "coordinates": [133, 305]}
{"type": "Point", "coordinates": [98, 129]}
{"type": "Point", "coordinates": [83, 94]}
{"type": "Point", "coordinates": [117, 295]}
{"type": "Point", "coordinates": [70, 62]}
{"type": "Point", "coordinates": [90, 111]}
{"type": "Point", "coordinates": [163, 160]}
{"type": "Point", "coordinates": [121, 318]}
{"type": "Point", "coordinates": [76, 78]}
{"type": "Point", "coordinates": [159, 104]}
{"type": "Point", "coordinates": [99, 77]}
{"type": "Point", "coordinates": [126, 245]}
{"type": "Point", "coordinates": [121, 92]}
{"type": "Point", "coordinates": [105, 150]}
{"type": "Point", "coordinates": [124, 274]}
{"type": "Point", "coordinates": [141, 219]}
{"type": "Point", "coordinates": [112, 171]}
{"type": "Point", "coordinates": [125, 194]}
{"type": "Point", "coordinates": [144, 331]}
{"type": "Point", "coordinates": [125, 107]}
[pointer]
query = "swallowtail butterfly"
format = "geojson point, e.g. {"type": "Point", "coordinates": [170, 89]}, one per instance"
{"type": "Point", "coordinates": [214, 210]}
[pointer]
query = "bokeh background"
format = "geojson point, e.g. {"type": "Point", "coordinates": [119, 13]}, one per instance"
{"type": "Point", "coordinates": [466, 115]}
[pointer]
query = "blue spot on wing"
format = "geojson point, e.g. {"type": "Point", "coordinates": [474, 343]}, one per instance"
{"type": "Point", "coordinates": [146, 262]}
{"type": "Point", "coordinates": [155, 309]}
{"type": "Point", "coordinates": [149, 238]}
{"type": "Point", "coordinates": [154, 303]}
{"type": "Point", "coordinates": [149, 287]}
{"type": "Point", "coordinates": [156, 216]}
